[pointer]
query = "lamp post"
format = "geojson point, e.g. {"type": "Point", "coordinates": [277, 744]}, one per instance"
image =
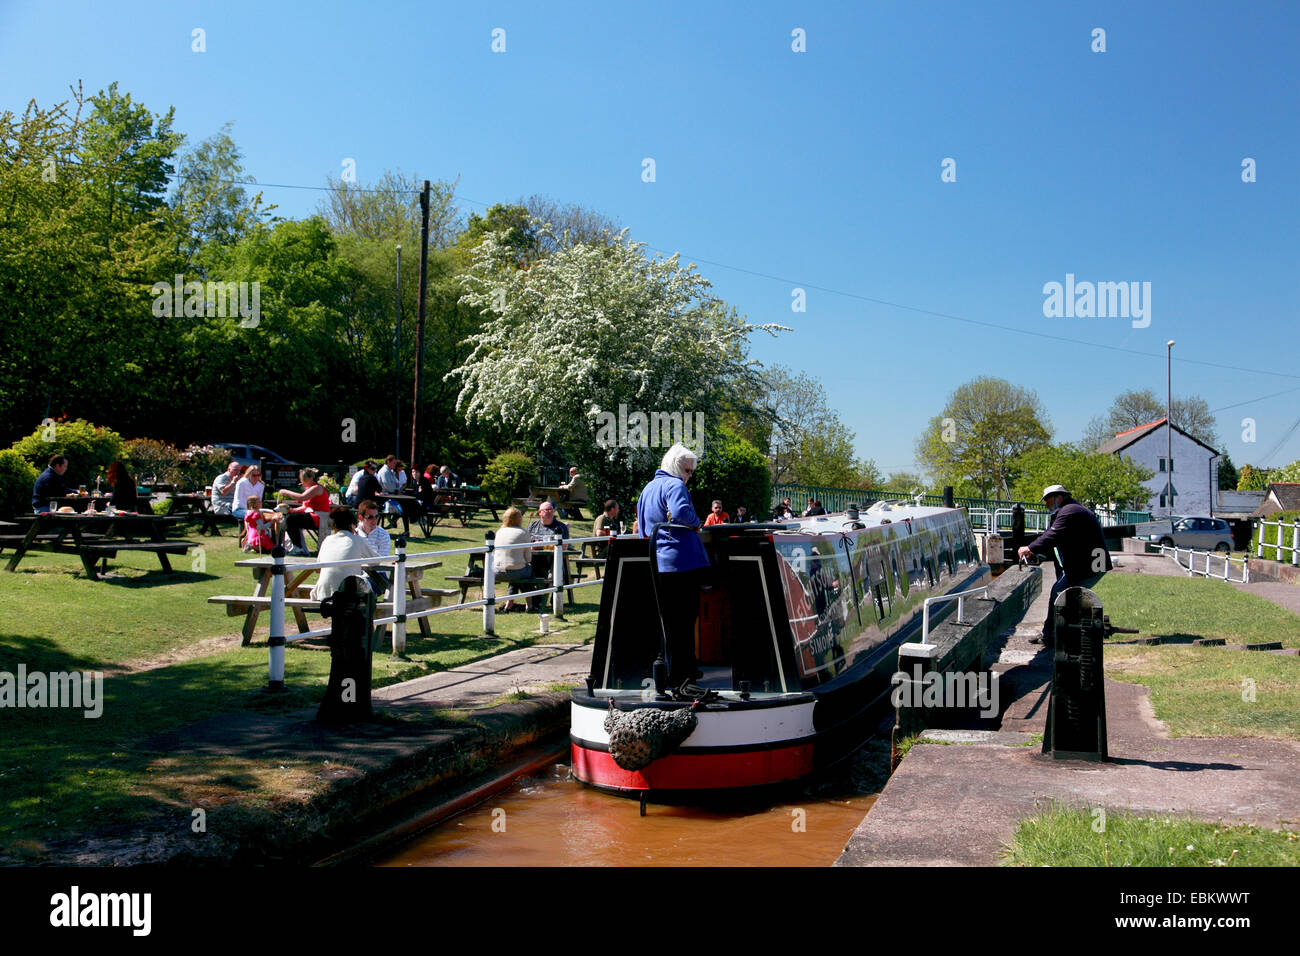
{"type": "Point", "coordinates": [397, 361]}
{"type": "Point", "coordinates": [1169, 426]}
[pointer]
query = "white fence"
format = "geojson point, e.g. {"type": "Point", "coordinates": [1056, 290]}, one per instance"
{"type": "Point", "coordinates": [399, 618]}
{"type": "Point", "coordinates": [1001, 520]}
{"type": "Point", "coordinates": [1293, 547]}
{"type": "Point", "coordinates": [1202, 562]}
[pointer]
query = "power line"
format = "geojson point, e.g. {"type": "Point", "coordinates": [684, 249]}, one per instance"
{"type": "Point", "coordinates": [1254, 400]}
{"type": "Point", "coordinates": [840, 292]}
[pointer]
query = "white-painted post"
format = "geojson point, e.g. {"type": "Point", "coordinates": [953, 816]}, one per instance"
{"type": "Point", "coordinates": [557, 580]}
{"type": "Point", "coordinates": [399, 599]}
{"type": "Point", "coordinates": [1295, 542]}
{"type": "Point", "coordinates": [1279, 540]}
{"type": "Point", "coordinates": [275, 642]}
{"type": "Point", "coordinates": [489, 583]}
{"type": "Point", "coordinates": [1259, 541]}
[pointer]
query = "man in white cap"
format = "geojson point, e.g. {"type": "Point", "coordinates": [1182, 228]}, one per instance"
{"type": "Point", "coordinates": [1077, 547]}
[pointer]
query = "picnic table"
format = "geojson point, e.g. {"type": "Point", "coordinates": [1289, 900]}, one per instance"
{"type": "Point", "coordinates": [571, 506]}
{"type": "Point", "coordinates": [296, 596]}
{"type": "Point", "coordinates": [93, 537]}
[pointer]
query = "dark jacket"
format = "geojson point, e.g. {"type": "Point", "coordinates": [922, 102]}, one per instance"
{"type": "Point", "coordinates": [49, 484]}
{"type": "Point", "coordinates": [1072, 541]}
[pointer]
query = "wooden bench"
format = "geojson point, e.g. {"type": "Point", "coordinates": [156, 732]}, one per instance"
{"type": "Point", "coordinates": [244, 604]}
{"type": "Point", "coordinates": [597, 564]}
{"type": "Point", "coordinates": [467, 581]}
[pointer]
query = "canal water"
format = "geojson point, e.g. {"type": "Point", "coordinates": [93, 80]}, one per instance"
{"type": "Point", "coordinates": [549, 819]}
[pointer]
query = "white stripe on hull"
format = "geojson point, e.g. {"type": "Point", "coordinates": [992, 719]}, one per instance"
{"type": "Point", "coordinates": [733, 728]}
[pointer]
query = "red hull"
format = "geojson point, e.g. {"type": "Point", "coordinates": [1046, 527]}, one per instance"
{"type": "Point", "coordinates": [706, 771]}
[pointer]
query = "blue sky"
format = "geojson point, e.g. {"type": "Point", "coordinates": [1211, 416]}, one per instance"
{"type": "Point", "coordinates": [821, 169]}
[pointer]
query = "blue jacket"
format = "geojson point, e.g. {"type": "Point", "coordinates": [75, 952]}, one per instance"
{"type": "Point", "coordinates": [666, 496]}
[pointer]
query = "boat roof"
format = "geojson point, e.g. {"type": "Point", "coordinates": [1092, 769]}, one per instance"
{"type": "Point", "coordinates": [880, 513]}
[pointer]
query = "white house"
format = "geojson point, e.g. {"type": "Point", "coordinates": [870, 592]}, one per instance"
{"type": "Point", "coordinates": [1195, 469]}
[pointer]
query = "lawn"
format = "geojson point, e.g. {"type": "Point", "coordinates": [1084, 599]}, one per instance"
{"type": "Point", "coordinates": [169, 659]}
{"type": "Point", "coordinates": [1060, 836]}
{"type": "Point", "coordinates": [1187, 608]}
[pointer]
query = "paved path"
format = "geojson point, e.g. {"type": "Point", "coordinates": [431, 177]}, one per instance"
{"type": "Point", "coordinates": [529, 669]}
{"type": "Point", "coordinates": [958, 805]}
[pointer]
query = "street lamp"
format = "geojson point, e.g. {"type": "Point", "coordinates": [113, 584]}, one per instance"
{"type": "Point", "coordinates": [1169, 426]}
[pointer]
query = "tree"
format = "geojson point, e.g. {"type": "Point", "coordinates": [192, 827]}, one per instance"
{"type": "Point", "coordinates": [809, 444]}
{"type": "Point", "coordinates": [986, 424]}
{"type": "Point", "coordinates": [905, 482]}
{"type": "Point", "coordinates": [826, 457]}
{"type": "Point", "coordinates": [1141, 407]}
{"type": "Point", "coordinates": [389, 210]}
{"type": "Point", "coordinates": [734, 472]}
{"type": "Point", "coordinates": [1095, 478]}
{"type": "Point", "coordinates": [216, 209]}
{"type": "Point", "coordinates": [579, 223]}
{"type": "Point", "coordinates": [592, 334]}
{"type": "Point", "coordinates": [1251, 478]}
{"type": "Point", "coordinates": [1228, 475]}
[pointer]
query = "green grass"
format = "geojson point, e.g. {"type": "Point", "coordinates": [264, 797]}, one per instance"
{"type": "Point", "coordinates": [1182, 609]}
{"type": "Point", "coordinates": [169, 659]}
{"type": "Point", "coordinates": [1208, 691]}
{"type": "Point", "coordinates": [1060, 836]}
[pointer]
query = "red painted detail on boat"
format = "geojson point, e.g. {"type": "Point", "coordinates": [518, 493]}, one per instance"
{"type": "Point", "coordinates": [686, 771]}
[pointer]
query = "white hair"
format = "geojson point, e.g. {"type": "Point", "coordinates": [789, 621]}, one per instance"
{"type": "Point", "coordinates": [674, 458]}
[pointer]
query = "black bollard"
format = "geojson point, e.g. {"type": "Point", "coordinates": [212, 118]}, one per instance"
{"type": "Point", "coordinates": [1017, 528]}
{"type": "Point", "coordinates": [948, 501]}
{"type": "Point", "coordinates": [351, 641]}
{"type": "Point", "coordinates": [1076, 709]}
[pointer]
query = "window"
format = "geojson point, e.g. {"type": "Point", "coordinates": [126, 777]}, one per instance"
{"type": "Point", "coordinates": [1162, 464]}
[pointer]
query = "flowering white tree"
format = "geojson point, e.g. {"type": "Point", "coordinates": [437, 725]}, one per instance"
{"type": "Point", "coordinates": [590, 328]}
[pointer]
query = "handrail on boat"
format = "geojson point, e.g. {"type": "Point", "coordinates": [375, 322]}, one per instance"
{"type": "Point", "coordinates": [958, 596]}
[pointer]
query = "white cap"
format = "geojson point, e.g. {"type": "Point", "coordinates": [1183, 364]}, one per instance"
{"type": "Point", "coordinates": [1054, 490]}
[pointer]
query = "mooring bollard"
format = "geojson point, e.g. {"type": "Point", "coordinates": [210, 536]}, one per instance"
{"type": "Point", "coordinates": [489, 583]}
{"type": "Point", "coordinates": [275, 643]}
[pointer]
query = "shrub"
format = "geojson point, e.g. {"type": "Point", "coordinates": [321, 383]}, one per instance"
{"type": "Point", "coordinates": [734, 472]}
{"type": "Point", "coordinates": [507, 475]}
{"type": "Point", "coordinates": [16, 479]}
{"type": "Point", "coordinates": [154, 461]}
{"type": "Point", "coordinates": [202, 463]}
{"type": "Point", "coordinates": [329, 484]}
{"type": "Point", "coordinates": [88, 448]}
{"type": "Point", "coordinates": [1270, 535]}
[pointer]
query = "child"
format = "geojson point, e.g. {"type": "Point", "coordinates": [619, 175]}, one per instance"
{"type": "Point", "coordinates": [263, 527]}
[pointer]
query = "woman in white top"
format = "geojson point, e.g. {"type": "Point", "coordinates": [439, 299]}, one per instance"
{"type": "Point", "coordinates": [343, 544]}
{"type": "Point", "coordinates": [512, 564]}
{"type": "Point", "coordinates": [250, 486]}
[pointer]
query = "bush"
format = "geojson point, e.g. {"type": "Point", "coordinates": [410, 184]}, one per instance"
{"type": "Point", "coordinates": [734, 472]}
{"type": "Point", "coordinates": [88, 448]}
{"type": "Point", "coordinates": [329, 484]}
{"type": "Point", "coordinates": [154, 461]}
{"type": "Point", "coordinates": [201, 464]}
{"type": "Point", "coordinates": [508, 475]}
{"type": "Point", "coordinates": [1270, 535]}
{"type": "Point", "coordinates": [16, 479]}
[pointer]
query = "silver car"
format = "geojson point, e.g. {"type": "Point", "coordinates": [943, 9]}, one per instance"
{"type": "Point", "coordinates": [1204, 534]}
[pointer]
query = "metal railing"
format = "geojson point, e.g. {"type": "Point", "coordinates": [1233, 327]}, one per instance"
{"type": "Point", "coordinates": [277, 640]}
{"type": "Point", "coordinates": [1293, 547]}
{"type": "Point", "coordinates": [958, 596]}
{"type": "Point", "coordinates": [1193, 555]}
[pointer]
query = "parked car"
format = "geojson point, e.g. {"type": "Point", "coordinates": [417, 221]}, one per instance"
{"type": "Point", "coordinates": [251, 454]}
{"type": "Point", "coordinates": [1204, 534]}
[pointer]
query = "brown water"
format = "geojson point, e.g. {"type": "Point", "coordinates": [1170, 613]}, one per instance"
{"type": "Point", "coordinates": [552, 820]}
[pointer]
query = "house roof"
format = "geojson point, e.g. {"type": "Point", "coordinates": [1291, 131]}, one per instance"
{"type": "Point", "coordinates": [1285, 493]}
{"type": "Point", "coordinates": [1124, 439]}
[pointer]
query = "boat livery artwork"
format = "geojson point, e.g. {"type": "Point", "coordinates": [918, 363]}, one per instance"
{"type": "Point", "coordinates": [797, 640]}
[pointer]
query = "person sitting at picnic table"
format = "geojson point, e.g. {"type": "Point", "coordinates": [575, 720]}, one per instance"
{"type": "Point", "coordinates": [123, 485]}
{"type": "Point", "coordinates": [223, 489]}
{"type": "Point", "coordinates": [717, 515]}
{"type": "Point", "coordinates": [546, 525]}
{"type": "Point", "coordinates": [607, 524]}
{"type": "Point", "coordinates": [49, 484]}
{"type": "Point", "coordinates": [379, 540]}
{"type": "Point", "coordinates": [512, 564]}
{"type": "Point", "coordinates": [448, 478]}
{"type": "Point", "coordinates": [314, 497]}
{"type": "Point", "coordinates": [344, 544]}
{"type": "Point", "coordinates": [390, 485]}
{"type": "Point", "coordinates": [742, 516]}
{"type": "Point", "coordinates": [263, 527]}
{"type": "Point", "coordinates": [426, 484]}
{"type": "Point", "coordinates": [250, 486]}
{"type": "Point", "coordinates": [364, 484]}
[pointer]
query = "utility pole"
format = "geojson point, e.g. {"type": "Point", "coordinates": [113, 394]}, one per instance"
{"type": "Point", "coordinates": [1169, 426]}
{"type": "Point", "coordinates": [419, 316]}
{"type": "Point", "coordinates": [397, 358]}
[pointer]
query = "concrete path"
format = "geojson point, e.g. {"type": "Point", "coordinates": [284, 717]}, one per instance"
{"type": "Point", "coordinates": [529, 669]}
{"type": "Point", "coordinates": [958, 805]}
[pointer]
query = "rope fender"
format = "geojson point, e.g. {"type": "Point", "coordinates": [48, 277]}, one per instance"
{"type": "Point", "coordinates": [638, 738]}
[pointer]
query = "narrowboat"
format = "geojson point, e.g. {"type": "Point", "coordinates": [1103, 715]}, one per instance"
{"type": "Point", "coordinates": [797, 641]}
